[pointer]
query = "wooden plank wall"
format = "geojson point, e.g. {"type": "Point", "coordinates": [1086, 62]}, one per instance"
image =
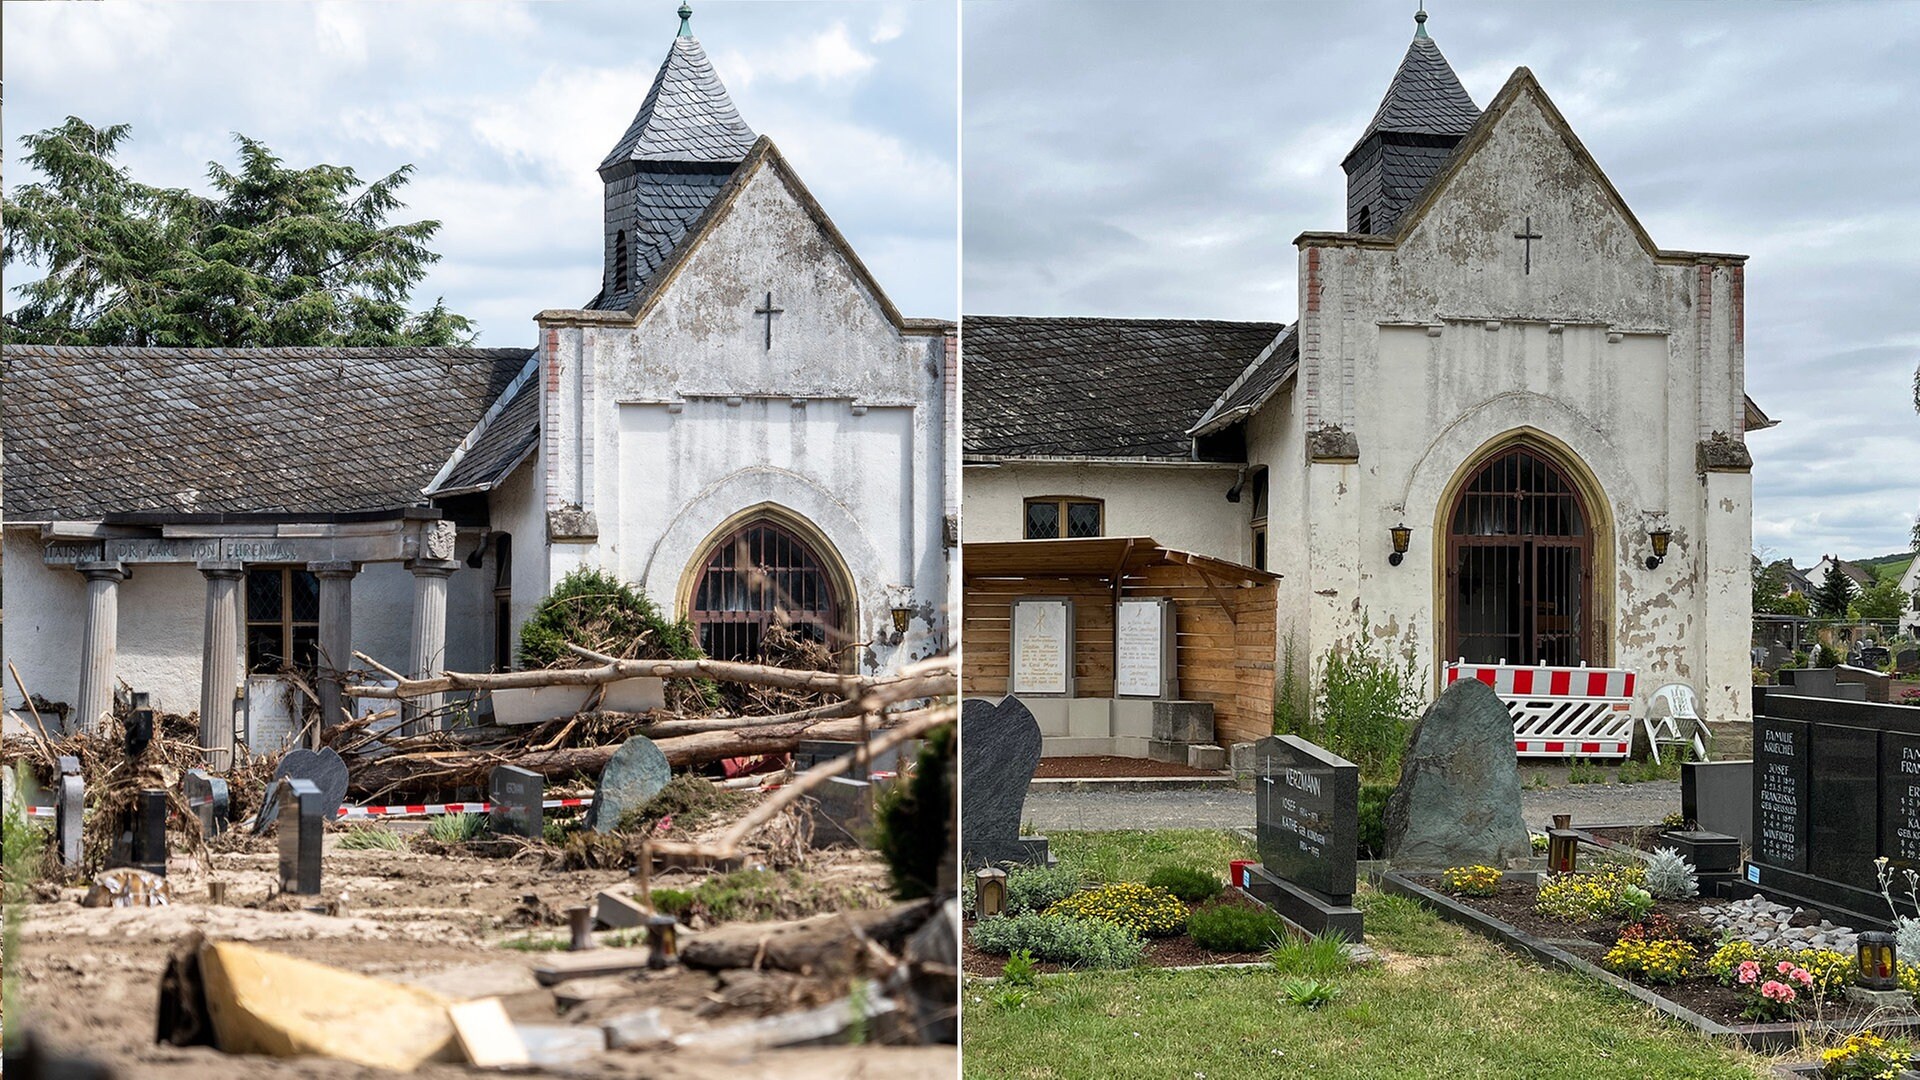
{"type": "Point", "coordinates": [1227, 661]}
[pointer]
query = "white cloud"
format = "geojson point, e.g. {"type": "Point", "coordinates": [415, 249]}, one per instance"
{"type": "Point", "coordinates": [891, 24]}
{"type": "Point", "coordinates": [340, 33]}
{"type": "Point", "coordinates": [829, 56]}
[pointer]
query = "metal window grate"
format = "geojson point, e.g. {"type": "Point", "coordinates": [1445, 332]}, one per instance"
{"type": "Point", "coordinates": [1520, 566]}
{"type": "Point", "coordinates": [761, 576]}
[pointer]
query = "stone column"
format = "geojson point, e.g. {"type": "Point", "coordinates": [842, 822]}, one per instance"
{"type": "Point", "coordinates": [429, 653]}
{"type": "Point", "coordinates": [97, 648]}
{"type": "Point", "coordinates": [220, 661]}
{"type": "Point", "coordinates": [336, 635]}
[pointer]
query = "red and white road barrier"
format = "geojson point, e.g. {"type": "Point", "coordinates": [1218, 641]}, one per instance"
{"type": "Point", "coordinates": [430, 809]}
{"type": "Point", "coordinates": [1561, 711]}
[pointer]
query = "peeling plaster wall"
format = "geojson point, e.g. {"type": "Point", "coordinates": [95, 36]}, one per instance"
{"type": "Point", "coordinates": [665, 429]}
{"type": "Point", "coordinates": [1426, 351]}
{"type": "Point", "coordinates": [1185, 507]}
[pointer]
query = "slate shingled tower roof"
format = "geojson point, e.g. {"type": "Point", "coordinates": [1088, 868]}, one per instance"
{"type": "Point", "coordinates": [676, 155]}
{"type": "Point", "coordinates": [1421, 119]}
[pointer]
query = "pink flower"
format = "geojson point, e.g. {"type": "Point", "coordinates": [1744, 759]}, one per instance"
{"type": "Point", "coordinates": [1783, 966]}
{"type": "Point", "coordinates": [1802, 976]}
{"type": "Point", "coordinates": [1777, 991]}
{"type": "Point", "coordinates": [1749, 971]}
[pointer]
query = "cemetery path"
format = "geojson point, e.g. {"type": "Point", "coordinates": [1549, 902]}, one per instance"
{"type": "Point", "coordinates": [1222, 808]}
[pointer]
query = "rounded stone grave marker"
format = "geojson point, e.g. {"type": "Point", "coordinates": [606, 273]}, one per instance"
{"type": "Point", "coordinates": [633, 776]}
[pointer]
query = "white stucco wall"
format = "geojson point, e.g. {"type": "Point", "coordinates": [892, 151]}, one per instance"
{"type": "Point", "coordinates": [1184, 507]}
{"type": "Point", "coordinates": [1427, 350]}
{"type": "Point", "coordinates": [664, 429]}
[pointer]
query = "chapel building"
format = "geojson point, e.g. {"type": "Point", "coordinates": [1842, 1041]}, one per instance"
{"type": "Point", "coordinates": [739, 422]}
{"type": "Point", "coordinates": [1506, 425]}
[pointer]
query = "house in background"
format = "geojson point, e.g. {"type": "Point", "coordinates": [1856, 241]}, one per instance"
{"type": "Point", "coordinates": [739, 421]}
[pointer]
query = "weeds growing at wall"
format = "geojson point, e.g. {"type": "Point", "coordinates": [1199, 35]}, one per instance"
{"type": "Point", "coordinates": [1365, 704]}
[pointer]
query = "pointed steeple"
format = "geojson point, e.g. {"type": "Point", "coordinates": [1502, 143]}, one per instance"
{"type": "Point", "coordinates": [676, 156]}
{"type": "Point", "coordinates": [1420, 120]}
{"type": "Point", "coordinates": [687, 115]}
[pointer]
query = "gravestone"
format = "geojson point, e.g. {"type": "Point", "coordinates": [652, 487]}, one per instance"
{"type": "Point", "coordinates": [1040, 651]}
{"type": "Point", "coordinates": [1718, 797]}
{"type": "Point", "coordinates": [207, 796]}
{"type": "Point", "coordinates": [1143, 649]}
{"type": "Point", "coordinates": [1836, 785]}
{"type": "Point", "coordinates": [633, 776]}
{"type": "Point", "coordinates": [304, 809]}
{"type": "Point", "coordinates": [147, 840]}
{"type": "Point", "coordinates": [1000, 749]}
{"type": "Point", "coordinates": [842, 813]}
{"type": "Point", "coordinates": [1907, 660]}
{"type": "Point", "coordinates": [325, 769]}
{"type": "Point", "coordinates": [1458, 803]}
{"type": "Point", "coordinates": [515, 795]}
{"type": "Point", "coordinates": [809, 753]}
{"type": "Point", "coordinates": [1307, 825]}
{"type": "Point", "coordinates": [70, 801]}
{"type": "Point", "coordinates": [1817, 682]}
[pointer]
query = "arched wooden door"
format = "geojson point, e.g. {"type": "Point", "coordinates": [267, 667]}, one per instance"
{"type": "Point", "coordinates": [1520, 565]}
{"type": "Point", "coordinates": [760, 575]}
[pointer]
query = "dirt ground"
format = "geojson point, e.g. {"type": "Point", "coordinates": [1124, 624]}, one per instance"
{"type": "Point", "coordinates": [89, 977]}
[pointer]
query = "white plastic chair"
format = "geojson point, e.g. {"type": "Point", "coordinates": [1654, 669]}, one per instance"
{"type": "Point", "coordinates": [1667, 708]}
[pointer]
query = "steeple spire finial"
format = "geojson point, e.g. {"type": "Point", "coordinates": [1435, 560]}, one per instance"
{"type": "Point", "coordinates": [1419, 20]}
{"type": "Point", "coordinates": [686, 15]}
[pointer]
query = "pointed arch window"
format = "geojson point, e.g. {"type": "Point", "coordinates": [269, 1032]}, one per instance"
{"type": "Point", "coordinates": [759, 576]}
{"type": "Point", "coordinates": [1520, 565]}
{"type": "Point", "coordinates": [620, 261]}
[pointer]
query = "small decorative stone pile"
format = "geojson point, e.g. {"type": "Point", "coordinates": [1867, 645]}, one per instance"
{"type": "Point", "coordinates": [1770, 925]}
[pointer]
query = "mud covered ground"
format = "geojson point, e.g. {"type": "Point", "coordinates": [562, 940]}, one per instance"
{"type": "Point", "coordinates": [88, 978]}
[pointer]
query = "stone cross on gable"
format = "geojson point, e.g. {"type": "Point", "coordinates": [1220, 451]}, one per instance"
{"type": "Point", "coordinates": [769, 311]}
{"type": "Point", "coordinates": [1527, 234]}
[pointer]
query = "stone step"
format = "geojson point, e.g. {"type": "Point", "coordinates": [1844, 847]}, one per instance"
{"type": "Point", "coordinates": [1732, 739]}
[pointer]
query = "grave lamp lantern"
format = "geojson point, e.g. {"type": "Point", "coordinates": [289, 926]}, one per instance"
{"type": "Point", "coordinates": [1401, 535]}
{"type": "Point", "coordinates": [1563, 850]}
{"type": "Point", "coordinates": [989, 892]}
{"type": "Point", "coordinates": [1877, 968]}
{"type": "Point", "coordinates": [662, 950]}
{"type": "Point", "coordinates": [1660, 537]}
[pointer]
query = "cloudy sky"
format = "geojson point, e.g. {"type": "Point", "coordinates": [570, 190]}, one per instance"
{"type": "Point", "coordinates": [505, 109]}
{"type": "Point", "coordinates": [1148, 159]}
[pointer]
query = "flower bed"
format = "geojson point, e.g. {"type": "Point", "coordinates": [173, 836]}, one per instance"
{"type": "Point", "coordinates": [1668, 955]}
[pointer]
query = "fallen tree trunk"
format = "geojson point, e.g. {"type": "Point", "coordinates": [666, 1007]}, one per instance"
{"type": "Point", "coordinates": [824, 944]}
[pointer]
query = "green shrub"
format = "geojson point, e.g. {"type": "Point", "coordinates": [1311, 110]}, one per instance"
{"type": "Point", "coordinates": [672, 901]}
{"type": "Point", "coordinates": [457, 828]}
{"type": "Point", "coordinates": [1037, 888]}
{"type": "Point", "coordinates": [1150, 911]}
{"type": "Point", "coordinates": [1019, 969]}
{"type": "Point", "coordinates": [372, 838]}
{"type": "Point", "coordinates": [1060, 940]}
{"type": "Point", "coordinates": [1670, 876]}
{"type": "Point", "coordinates": [598, 611]}
{"type": "Point", "coordinates": [1308, 993]}
{"type": "Point", "coordinates": [1366, 703]}
{"type": "Point", "coordinates": [1373, 819]}
{"type": "Point", "coordinates": [911, 827]}
{"type": "Point", "coordinates": [1321, 956]}
{"type": "Point", "coordinates": [1233, 928]}
{"type": "Point", "coordinates": [1193, 886]}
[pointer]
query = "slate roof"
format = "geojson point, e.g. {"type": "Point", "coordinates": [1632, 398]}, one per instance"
{"type": "Point", "coordinates": [1267, 373]}
{"type": "Point", "coordinates": [1425, 97]}
{"type": "Point", "coordinates": [503, 440]}
{"type": "Point", "coordinates": [1081, 387]}
{"type": "Point", "coordinates": [96, 431]}
{"type": "Point", "coordinates": [687, 115]}
{"type": "Point", "coordinates": [665, 205]}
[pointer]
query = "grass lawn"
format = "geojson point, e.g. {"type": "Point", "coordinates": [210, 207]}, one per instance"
{"type": "Point", "coordinates": [1132, 854]}
{"type": "Point", "coordinates": [1444, 1004]}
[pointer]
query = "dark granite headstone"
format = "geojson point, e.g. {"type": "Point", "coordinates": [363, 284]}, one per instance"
{"type": "Point", "coordinates": [633, 776]}
{"type": "Point", "coordinates": [809, 753]}
{"type": "Point", "coordinates": [1900, 797]}
{"type": "Point", "coordinates": [208, 797]}
{"type": "Point", "coordinates": [139, 730]}
{"type": "Point", "coordinates": [1781, 758]}
{"type": "Point", "coordinates": [324, 768]}
{"type": "Point", "coordinates": [1000, 749]}
{"type": "Point", "coordinates": [1458, 802]}
{"type": "Point", "coordinates": [1907, 661]}
{"type": "Point", "coordinates": [1307, 807]}
{"type": "Point", "coordinates": [1843, 802]}
{"type": "Point", "coordinates": [304, 809]}
{"type": "Point", "coordinates": [842, 813]}
{"type": "Point", "coordinates": [515, 795]}
{"type": "Point", "coordinates": [1817, 682]}
{"type": "Point", "coordinates": [1718, 796]}
{"type": "Point", "coordinates": [149, 840]}
{"type": "Point", "coordinates": [70, 801]}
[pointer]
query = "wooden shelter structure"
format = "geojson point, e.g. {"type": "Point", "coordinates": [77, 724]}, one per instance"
{"type": "Point", "coordinates": [1225, 637]}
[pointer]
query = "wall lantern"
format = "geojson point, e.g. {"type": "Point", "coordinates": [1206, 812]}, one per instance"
{"type": "Point", "coordinates": [989, 892]}
{"type": "Point", "coordinates": [1563, 845]}
{"type": "Point", "coordinates": [662, 950]}
{"type": "Point", "coordinates": [1660, 537]}
{"type": "Point", "coordinates": [901, 616]}
{"type": "Point", "coordinates": [1878, 969]}
{"type": "Point", "coordinates": [1401, 534]}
